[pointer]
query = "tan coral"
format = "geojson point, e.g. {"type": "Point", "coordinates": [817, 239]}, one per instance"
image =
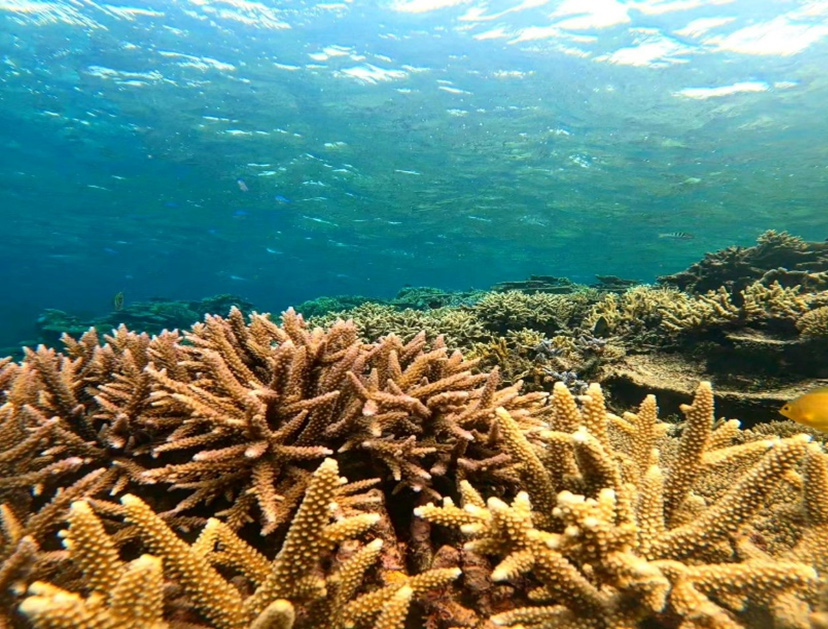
{"type": "Point", "coordinates": [460, 328]}
{"type": "Point", "coordinates": [131, 595]}
{"type": "Point", "coordinates": [626, 549]}
{"type": "Point", "coordinates": [253, 405]}
{"type": "Point", "coordinates": [814, 323]}
{"type": "Point", "coordinates": [637, 312]}
{"type": "Point", "coordinates": [617, 513]}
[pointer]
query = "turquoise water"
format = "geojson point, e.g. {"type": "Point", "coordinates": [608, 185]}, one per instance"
{"type": "Point", "coordinates": [283, 151]}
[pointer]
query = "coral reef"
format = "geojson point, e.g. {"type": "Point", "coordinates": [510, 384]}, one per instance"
{"type": "Point", "coordinates": [761, 339]}
{"type": "Point", "coordinates": [424, 298]}
{"type": "Point", "coordinates": [325, 304]}
{"type": "Point", "coordinates": [757, 305]}
{"type": "Point", "coordinates": [459, 327]}
{"type": "Point", "coordinates": [636, 315]}
{"type": "Point", "coordinates": [408, 298]}
{"type": "Point", "coordinates": [814, 323]}
{"type": "Point", "coordinates": [547, 313]}
{"type": "Point", "coordinates": [195, 479]}
{"type": "Point", "coordinates": [621, 523]}
{"type": "Point", "coordinates": [538, 284]}
{"type": "Point", "coordinates": [758, 343]}
{"type": "Point", "coordinates": [150, 316]}
{"type": "Point", "coordinates": [613, 283]}
{"type": "Point", "coordinates": [777, 257]}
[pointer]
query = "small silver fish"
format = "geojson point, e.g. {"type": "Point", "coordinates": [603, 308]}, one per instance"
{"type": "Point", "coordinates": [677, 236]}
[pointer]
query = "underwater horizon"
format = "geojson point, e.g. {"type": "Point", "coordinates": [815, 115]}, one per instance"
{"type": "Point", "coordinates": [286, 151]}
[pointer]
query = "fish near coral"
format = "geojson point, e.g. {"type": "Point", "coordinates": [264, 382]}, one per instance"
{"type": "Point", "coordinates": [677, 236]}
{"type": "Point", "coordinates": [809, 409]}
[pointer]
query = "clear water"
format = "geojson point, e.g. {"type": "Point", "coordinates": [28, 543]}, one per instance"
{"type": "Point", "coordinates": [286, 150]}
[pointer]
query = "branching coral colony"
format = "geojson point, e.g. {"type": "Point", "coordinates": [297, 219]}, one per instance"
{"type": "Point", "coordinates": [198, 480]}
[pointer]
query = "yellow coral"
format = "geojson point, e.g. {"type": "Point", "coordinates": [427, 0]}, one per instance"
{"type": "Point", "coordinates": [629, 540]}
{"type": "Point", "coordinates": [131, 594]}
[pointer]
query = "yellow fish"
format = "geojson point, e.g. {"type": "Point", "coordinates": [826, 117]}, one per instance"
{"type": "Point", "coordinates": [809, 409]}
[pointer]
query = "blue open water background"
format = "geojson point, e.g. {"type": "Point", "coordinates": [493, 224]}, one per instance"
{"type": "Point", "coordinates": [287, 150]}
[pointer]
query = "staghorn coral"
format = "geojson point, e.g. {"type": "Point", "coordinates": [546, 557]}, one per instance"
{"type": "Point", "coordinates": [519, 355]}
{"type": "Point", "coordinates": [719, 527]}
{"type": "Point", "coordinates": [525, 355]}
{"type": "Point", "coordinates": [459, 327]}
{"type": "Point", "coordinates": [768, 306]}
{"type": "Point", "coordinates": [634, 315]}
{"type": "Point", "coordinates": [248, 412]}
{"type": "Point", "coordinates": [228, 420]}
{"type": "Point", "coordinates": [622, 523]}
{"type": "Point", "coordinates": [287, 591]}
{"type": "Point", "coordinates": [545, 312]}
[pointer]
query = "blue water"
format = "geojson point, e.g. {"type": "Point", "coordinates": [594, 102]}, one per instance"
{"type": "Point", "coordinates": [282, 151]}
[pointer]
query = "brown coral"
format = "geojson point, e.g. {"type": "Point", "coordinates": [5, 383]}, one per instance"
{"type": "Point", "coordinates": [814, 323]}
